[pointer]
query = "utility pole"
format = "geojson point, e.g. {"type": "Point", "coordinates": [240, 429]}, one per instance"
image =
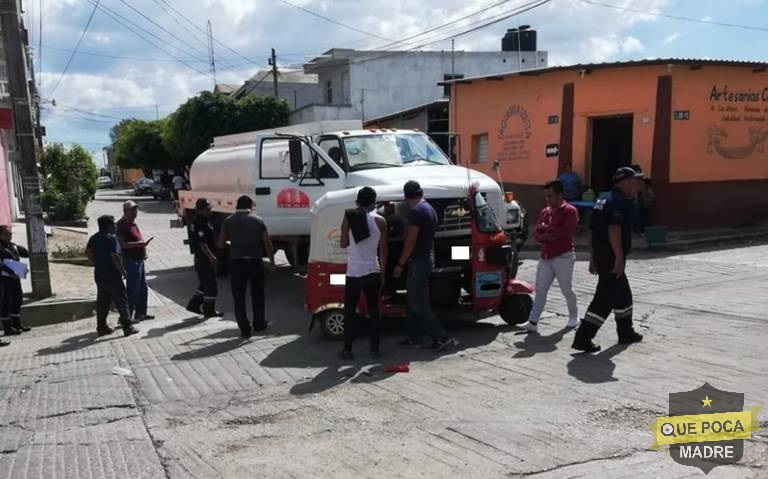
{"type": "Point", "coordinates": [273, 62]}
{"type": "Point", "coordinates": [25, 144]}
{"type": "Point", "coordinates": [211, 53]}
{"type": "Point", "coordinates": [157, 110]}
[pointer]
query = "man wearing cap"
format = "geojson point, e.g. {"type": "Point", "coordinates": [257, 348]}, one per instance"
{"type": "Point", "coordinates": [202, 239]}
{"type": "Point", "coordinates": [611, 240]}
{"type": "Point", "coordinates": [417, 256]}
{"type": "Point", "coordinates": [134, 251]}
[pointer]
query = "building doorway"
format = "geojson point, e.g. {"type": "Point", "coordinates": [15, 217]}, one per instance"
{"type": "Point", "coordinates": [611, 149]}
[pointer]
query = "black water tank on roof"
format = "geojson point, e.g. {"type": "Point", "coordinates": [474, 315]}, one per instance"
{"type": "Point", "coordinates": [526, 37]}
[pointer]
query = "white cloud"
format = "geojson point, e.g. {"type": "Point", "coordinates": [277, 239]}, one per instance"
{"type": "Point", "coordinates": [706, 19]}
{"type": "Point", "coordinates": [671, 38]}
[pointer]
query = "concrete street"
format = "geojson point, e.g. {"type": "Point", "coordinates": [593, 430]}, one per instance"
{"type": "Point", "coordinates": [201, 403]}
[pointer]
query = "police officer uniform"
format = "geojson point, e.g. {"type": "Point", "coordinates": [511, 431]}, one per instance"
{"type": "Point", "coordinates": [201, 232]}
{"type": "Point", "coordinates": [12, 295]}
{"type": "Point", "coordinates": [612, 293]}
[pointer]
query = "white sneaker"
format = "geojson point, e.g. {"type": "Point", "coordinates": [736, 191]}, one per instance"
{"type": "Point", "coordinates": [528, 326]}
{"type": "Point", "coordinates": [573, 323]}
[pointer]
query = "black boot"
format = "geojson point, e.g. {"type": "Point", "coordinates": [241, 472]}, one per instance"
{"type": "Point", "coordinates": [9, 329]}
{"type": "Point", "coordinates": [627, 334]}
{"type": "Point", "coordinates": [583, 339]}
{"type": "Point", "coordinates": [16, 323]}
{"type": "Point", "coordinates": [209, 310]}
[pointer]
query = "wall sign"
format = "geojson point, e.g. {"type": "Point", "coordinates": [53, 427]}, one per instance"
{"type": "Point", "coordinates": [552, 150]}
{"type": "Point", "coordinates": [682, 115]}
{"type": "Point", "coordinates": [514, 132]}
{"type": "Point", "coordinates": [553, 119]}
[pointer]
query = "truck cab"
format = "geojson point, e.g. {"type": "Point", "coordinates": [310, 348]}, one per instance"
{"type": "Point", "coordinates": [287, 169]}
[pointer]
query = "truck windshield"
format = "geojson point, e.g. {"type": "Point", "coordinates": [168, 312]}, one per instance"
{"type": "Point", "coordinates": [392, 150]}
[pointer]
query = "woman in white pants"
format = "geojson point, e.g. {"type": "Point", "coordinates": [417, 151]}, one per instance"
{"type": "Point", "coordinates": [554, 231]}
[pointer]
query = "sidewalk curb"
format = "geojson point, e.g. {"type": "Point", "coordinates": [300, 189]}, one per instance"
{"type": "Point", "coordinates": [54, 311]}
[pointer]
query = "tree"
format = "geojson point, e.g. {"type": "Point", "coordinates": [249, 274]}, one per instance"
{"type": "Point", "coordinates": [139, 144]}
{"type": "Point", "coordinates": [69, 181]}
{"type": "Point", "coordinates": [114, 132]}
{"type": "Point", "coordinates": [191, 129]}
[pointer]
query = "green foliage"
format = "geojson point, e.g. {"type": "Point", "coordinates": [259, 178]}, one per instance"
{"type": "Point", "coordinates": [191, 129]}
{"type": "Point", "coordinates": [69, 181]}
{"type": "Point", "coordinates": [140, 145]}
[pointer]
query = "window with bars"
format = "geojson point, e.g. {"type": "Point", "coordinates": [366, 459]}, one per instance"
{"type": "Point", "coordinates": [5, 89]}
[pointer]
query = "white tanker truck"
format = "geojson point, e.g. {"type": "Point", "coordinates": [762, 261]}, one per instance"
{"type": "Point", "coordinates": [285, 170]}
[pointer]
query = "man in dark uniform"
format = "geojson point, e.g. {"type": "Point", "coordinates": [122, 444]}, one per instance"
{"type": "Point", "coordinates": [12, 296]}
{"type": "Point", "coordinates": [202, 239]}
{"type": "Point", "coordinates": [611, 240]}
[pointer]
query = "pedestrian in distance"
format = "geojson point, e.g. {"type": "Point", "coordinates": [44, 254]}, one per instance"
{"type": "Point", "coordinates": [364, 236]}
{"type": "Point", "coordinates": [134, 252]}
{"type": "Point", "coordinates": [572, 185]}
{"type": "Point", "coordinates": [103, 250]}
{"type": "Point", "coordinates": [249, 244]}
{"type": "Point", "coordinates": [202, 239]}
{"type": "Point", "coordinates": [611, 241]}
{"type": "Point", "coordinates": [554, 231]}
{"type": "Point", "coordinates": [12, 294]}
{"type": "Point", "coordinates": [417, 258]}
{"type": "Point", "coordinates": [178, 185]}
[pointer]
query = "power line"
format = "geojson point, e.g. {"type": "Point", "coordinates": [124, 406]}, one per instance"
{"type": "Point", "coordinates": [77, 46]}
{"type": "Point", "coordinates": [677, 17]}
{"type": "Point", "coordinates": [480, 25]}
{"type": "Point", "coordinates": [440, 27]}
{"type": "Point", "coordinates": [121, 57]}
{"type": "Point", "coordinates": [204, 33]}
{"type": "Point", "coordinates": [120, 19]}
{"type": "Point", "coordinates": [331, 20]}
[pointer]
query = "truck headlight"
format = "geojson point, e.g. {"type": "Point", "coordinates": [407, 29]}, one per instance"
{"type": "Point", "coordinates": [513, 216]}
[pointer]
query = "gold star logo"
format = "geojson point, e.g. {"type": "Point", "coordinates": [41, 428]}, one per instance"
{"type": "Point", "coordinates": [707, 401]}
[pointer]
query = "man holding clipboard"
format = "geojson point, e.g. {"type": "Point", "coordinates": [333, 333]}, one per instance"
{"type": "Point", "coordinates": [134, 251]}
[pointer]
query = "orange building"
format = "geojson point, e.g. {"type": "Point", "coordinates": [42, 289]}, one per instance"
{"type": "Point", "coordinates": [697, 128]}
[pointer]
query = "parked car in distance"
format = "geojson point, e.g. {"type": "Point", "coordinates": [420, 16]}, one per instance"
{"type": "Point", "coordinates": [143, 186]}
{"type": "Point", "coordinates": [105, 182]}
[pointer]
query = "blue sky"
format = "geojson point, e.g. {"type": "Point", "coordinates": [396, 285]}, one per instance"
{"type": "Point", "coordinates": [100, 88]}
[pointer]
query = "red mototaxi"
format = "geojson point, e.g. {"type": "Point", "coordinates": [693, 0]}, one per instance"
{"type": "Point", "coordinates": [475, 283]}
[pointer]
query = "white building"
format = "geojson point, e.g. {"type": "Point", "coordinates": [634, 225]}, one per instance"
{"type": "Point", "coordinates": [297, 88]}
{"type": "Point", "coordinates": [369, 84]}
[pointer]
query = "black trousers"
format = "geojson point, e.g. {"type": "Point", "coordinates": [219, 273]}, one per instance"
{"type": "Point", "coordinates": [611, 295]}
{"type": "Point", "coordinates": [207, 289]}
{"type": "Point", "coordinates": [242, 273]}
{"type": "Point", "coordinates": [110, 292]}
{"type": "Point", "coordinates": [370, 285]}
{"type": "Point", "coordinates": [12, 299]}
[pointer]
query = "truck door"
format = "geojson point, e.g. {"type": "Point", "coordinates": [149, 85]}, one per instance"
{"type": "Point", "coordinates": [285, 201]}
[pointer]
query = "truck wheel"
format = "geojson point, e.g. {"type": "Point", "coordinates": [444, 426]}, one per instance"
{"type": "Point", "coordinates": [516, 308]}
{"type": "Point", "coordinates": [331, 323]}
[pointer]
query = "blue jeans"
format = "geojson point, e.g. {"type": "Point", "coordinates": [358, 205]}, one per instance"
{"type": "Point", "coordinates": [421, 320]}
{"type": "Point", "coordinates": [136, 284]}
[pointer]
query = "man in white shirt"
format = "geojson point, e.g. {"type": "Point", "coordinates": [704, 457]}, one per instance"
{"type": "Point", "coordinates": [178, 184]}
{"type": "Point", "coordinates": [364, 236]}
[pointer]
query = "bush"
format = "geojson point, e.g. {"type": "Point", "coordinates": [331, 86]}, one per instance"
{"type": "Point", "coordinates": [69, 182]}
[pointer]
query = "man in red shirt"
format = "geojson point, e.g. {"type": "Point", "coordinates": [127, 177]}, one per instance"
{"type": "Point", "coordinates": [134, 251]}
{"type": "Point", "coordinates": [554, 232]}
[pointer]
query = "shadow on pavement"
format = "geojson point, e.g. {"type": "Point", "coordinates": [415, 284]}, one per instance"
{"type": "Point", "coordinates": [185, 323]}
{"type": "Point", "coordinates": [312, 351]}
{"type": "Point", "coordinates": [595, 368]}
{"type": "Point", "coordinates": [78, 342]}
{"type": "Point", "coordinates": [534, 343]}
{"type": "Point", "coordinates": [233, 342]}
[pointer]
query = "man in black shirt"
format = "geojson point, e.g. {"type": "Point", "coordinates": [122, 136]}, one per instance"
{"type": "Point", "coordinates": [611, 241]}
{"type": "Point", "coordinates": [202, 238]}
{"type": "Point", "coordinates": [104, 252]}
{"type": "Point", "coordinates": [12, 295]}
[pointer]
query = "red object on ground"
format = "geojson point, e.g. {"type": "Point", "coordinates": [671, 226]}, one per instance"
{"type": "Point", "coordinates": [398, 368]}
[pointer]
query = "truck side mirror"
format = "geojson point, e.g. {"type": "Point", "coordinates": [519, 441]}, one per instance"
{"type": "Point", "coordinates": [296, 154]}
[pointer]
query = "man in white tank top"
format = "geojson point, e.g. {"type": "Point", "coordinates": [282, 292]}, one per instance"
{"type": "Point", "coordinates": [364, 236]}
